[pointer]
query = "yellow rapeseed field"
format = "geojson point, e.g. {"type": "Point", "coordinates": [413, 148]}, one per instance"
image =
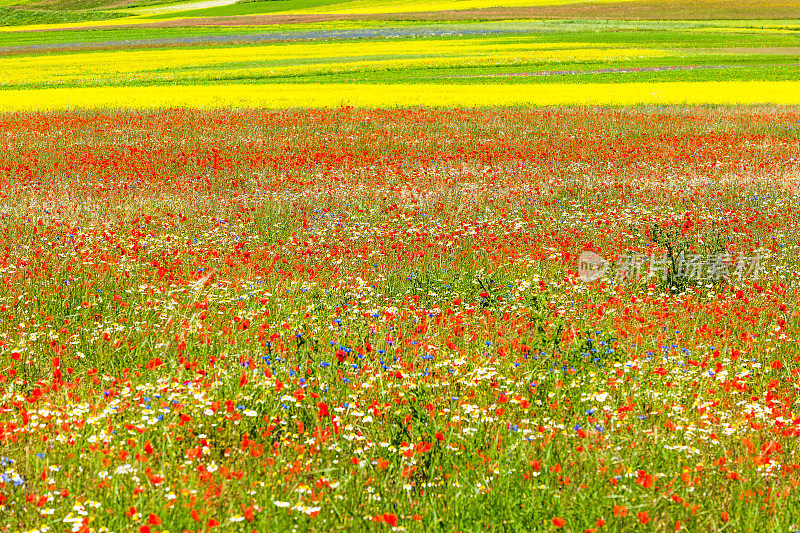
{"type": "Point", "coordinates": [406, 95]}
{"type": "Point", "coordinates": [328, 67]}
{"type": "Point", "coordinates": [187, 65]}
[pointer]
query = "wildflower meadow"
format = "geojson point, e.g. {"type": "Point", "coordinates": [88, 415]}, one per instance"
{"type": "Point", "coordinates": [373, 320]}
{"type": "Point", "coordinates": [319, 265]}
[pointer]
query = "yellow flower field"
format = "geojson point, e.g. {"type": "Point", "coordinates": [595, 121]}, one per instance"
{"type": "Point", "coordinates": [202, 64]}
{"type": "Point", "coordinates": [591, 54]}
{"type": "Point", "coordinates": [278, 96]}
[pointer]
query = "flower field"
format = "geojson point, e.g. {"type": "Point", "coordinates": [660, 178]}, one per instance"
{"type": "Point", "coordinates": [391, 63]}
{"type": "Point", "coordinates": [239, 62]}
{"type": "Point", "coordinates": [320, 53]}
{"type": "Point", "coordinates": [281, 96]}
{"type": "Point", "coordinates": [324, 265]}
{"type": "Point", "coordinates": [349, 319]}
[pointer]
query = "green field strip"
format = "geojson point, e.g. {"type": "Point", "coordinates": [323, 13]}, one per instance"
{"type": "Point", "coordinates": [347, 6]}
{"type": "Point", "coordinates": [667, 34]}
{"type": "Point", "coordinates": [543, 74]}
{"type": "Point", "coordinates": [24, 17]}
{"type": "Point", "coordinates": [246, 8]}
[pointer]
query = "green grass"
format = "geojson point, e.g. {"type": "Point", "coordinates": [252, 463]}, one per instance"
{"type": "Point", "coordinates": [480, 76]}
{"type": "Point", "coordinates": [21, 17]}
{"type": "Point", "coordinates": [667, 32]}
{"type": "Point", "coordinates": [27, 12]}
{"type": "Point", "coordinates": [671, 34]}
{"type": "Point", "coordinates": [247, 8]}
{"type": "Point", "coordinates": [82, 5]}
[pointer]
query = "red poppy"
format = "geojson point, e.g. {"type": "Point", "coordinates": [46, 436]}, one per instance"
{"type": "Point", "coordinates": [390, 518]}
